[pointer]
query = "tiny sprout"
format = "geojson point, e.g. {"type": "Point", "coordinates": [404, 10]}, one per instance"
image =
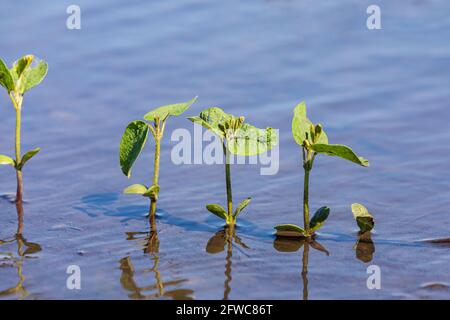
{"type": "Point", "coordinates": [133, 141]}
{"type": "Point", "coordinates": [314, 141]}
{"type": "Point", "coordinates": [363, 218]}
{"type": "Point", "coordinates": [237, 138]}
{"type": "Point", "coordinates": [26, 73]}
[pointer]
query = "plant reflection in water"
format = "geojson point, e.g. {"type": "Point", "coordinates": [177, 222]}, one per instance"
{"type": "Point", "coordinates": [150, 243]}
{"type": "Point", "coordinates": [289, 244]}
{"type": "Point", "coordinates": [217, 243]}
{"type": "Point", "coordinates": [25, 250]}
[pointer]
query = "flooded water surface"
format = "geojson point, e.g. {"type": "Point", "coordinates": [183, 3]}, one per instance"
{"type": "Point", "coordinates": [383, 92]}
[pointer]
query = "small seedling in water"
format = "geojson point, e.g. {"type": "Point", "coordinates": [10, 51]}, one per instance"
{"type": "Point", "coordinates": [363, 218]}
{"type": "Point", "coordinates": [314, 141]}
{"type": "Point", "coordinates": [133, 141]}
{"type": "Point", "coordinates": [25, 74]}
{"type": "Point", "coordinates": [237, 138]}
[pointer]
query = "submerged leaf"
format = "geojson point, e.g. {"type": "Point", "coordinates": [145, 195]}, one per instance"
{"type": "Point", "coordinates": [7, 160]}
{"type": "Point", "coordinates": [27, 156]}
{"type": "Point", "coordinates": [341, 151]}
{"type": "Point", "coordinates": [136, 189]}
{"type": "Point", "coordinates": [153, 192]}
{"type": "Point", "coordinates": [363, 218]}
{"type": "Point", "coordinates": [319, 218]}
{"type": "Point", "coordinates": [169, 110]}
{"type": "Point", "coordinates": [289, 230]}
{"type": "Point", "coordinates": [6, 79]}
{"type": "Point", "coordinates": [132, 143]}
{"type": "Point", "coordinates": [217, 210]}
{"type": "Point", "coordinates": [241, 206]}
{"type": "Point", "coordinates": [249, 140]}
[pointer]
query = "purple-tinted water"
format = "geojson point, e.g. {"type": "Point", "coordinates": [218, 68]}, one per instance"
{"type": "Point", "coordinates": [383, 92]}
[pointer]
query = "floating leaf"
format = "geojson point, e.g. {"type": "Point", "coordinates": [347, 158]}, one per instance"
{"type": "Point", "coordinates": [27, 156]}
{"type": "Point", "coordinates": [169, 110]}
{"type": "Point", "coordinates": [363, 218]}
{"type": "Point", "coordinates": [217, 210]}
{"type": "Point", "coordinates": [249, 140]}
{"type": "Point", "coordinates": [341, 151]}
{"type": "Point", "coordinates": [132, 143]}
{"type": "Point", "coordinates": [319, 218]}
{"type": "Point", "coordinates": [289, 230]}
{"type": "Point", "coordinates": [136, 189]}
{"type": "Point", "coordinates": [153, 192]}
{"type": "Point", "coordinates": [7, 160]}
{"type": "Point", "coordinates": [6, 79]}
{"type": "Point", "coordinates": [241, 206]}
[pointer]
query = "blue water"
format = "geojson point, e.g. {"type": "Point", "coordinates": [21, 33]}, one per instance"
{"type": "Point", "coordinates": [383, 92]}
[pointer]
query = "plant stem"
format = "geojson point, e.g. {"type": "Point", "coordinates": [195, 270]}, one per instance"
{"type": "Point", "coordinates": [305, 270]}
{"type": "Point", "coordinates": [228, 182]}
{"type": "Point", "coordinates": [306, 201]}
{"type": "Point", "coordinates": [158, 137]}
{"type": "Point", "coordinates": [17, 102]}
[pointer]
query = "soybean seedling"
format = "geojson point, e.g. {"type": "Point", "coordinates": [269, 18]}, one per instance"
{"type": "Point", "coordinates": [26, 73]}
{"type": "Point", "coordinates": [133, 141]}
{"type": "Point", "coordinates": [237, 138]}
{"type": "Point", "coordinates": [314, 141]}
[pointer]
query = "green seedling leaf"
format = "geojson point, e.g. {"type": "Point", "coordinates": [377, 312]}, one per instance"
{"type": "Point", "coordinates": [21, 65]}
{"type": "Point", "coordinates": [132, 143]}
{"type": "Point", "coordinates": [341, 151]}
{"type": "Point", "coordinates": [319, 218]}
{"type": "Point", "coordinates": [303, 129]}
{"type": "Point", "coordinates": [6, 79]}
{"type": "Point", "coordinates": [363, 218]}
{"type": "Point", "coordinates": [217, 210]}
{"type": "Point", "coordinates": [153, 192]}
{"type": "Point", "coordinates": [27, 156]}
{"type": "Point", "coordinates": [249, 140]}
{"type": "Point", "coordinates": [213, 119]}
{"type": "Point", "coordinates": [34, 76]}
{"type": "Point", "coordinates": [7, 160]}
{"type": "Point", "coordinates": [289, 230]}
{"type": "Point", "coordinates": [136, 189]}
{"type": "Point", "coordinates": [241, 206]}
{"type": "Point", "coordinates": [169, 110]}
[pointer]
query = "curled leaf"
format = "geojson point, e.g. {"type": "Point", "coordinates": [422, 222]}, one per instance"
{"type": "Point", "coordinates": [152, 192]}
{"type": "Point", "coordinates": [169, 110]}
{"type": "Point", "coordinates": [319, 218]}
{"type": "Point", "coordinates": [341, 151]}
{"type": "Point", "coordinates": [28, 72]}
{"type": "Point", "coordinates": [6, 79]}
{"type": "Point", "coordinates": [241, 206]}
{"type": "Point", "coordinates": [363, 218]}
{"type": "Point", "coordinates": [133, 141]}
{"type": "Point", "coordinates": [213, 119]}
{"type": "Point", "coordinates": [289, 230]}
{"type": "Point", "coordinates": [136, 189]}
{"type": "Point", "coordinates": [27, 156]}
{"type": "Point", "coordinates": [217, 210]}
{"type": "Point", "coordinates": [7, 160]}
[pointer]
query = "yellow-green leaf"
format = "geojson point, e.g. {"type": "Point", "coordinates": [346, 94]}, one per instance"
{"type": "Point", "coordinates": [27, 156]}
{"type": "Point", "coordinates": [289, 230]}
{"type": "Point", "coordinates": [7, 160]}
{"type": "Point", "coordinates": [249, 140]}
{"type": "Point", "coordinates": [6, 79]}
{"type": "Point", "coordinates": [217, 210]}
{"type": "Point", "coordinates": [241, 206]}
{"type": "Point", "coordinates": [136, 189]}
{"type": "Point", "coordinates": [169, 110]}
{"type": "Point", "coordinates": [319, 218]}
{"type": "Point", "coordinates": [363, 218]}
{"type": "Point", "coordinates": [341, 151]}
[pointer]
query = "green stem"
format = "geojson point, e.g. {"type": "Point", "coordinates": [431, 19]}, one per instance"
{"type": "Point", "coordinates": [306, 201]}
{"type": "Point", "coordinates": [158, 136]}
{"type": "Point", "coordinates": [17, 102]}
{"type": "Point", "coordinates": [228, 181]}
